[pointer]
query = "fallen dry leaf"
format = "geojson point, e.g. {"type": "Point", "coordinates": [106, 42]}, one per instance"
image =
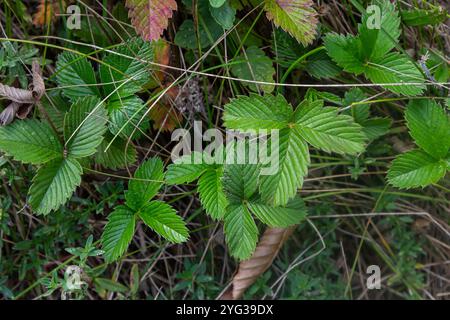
{"type": "Point", "coordinates": [47, 11]}
{"type": "Point", "coordinates": [250, 270]}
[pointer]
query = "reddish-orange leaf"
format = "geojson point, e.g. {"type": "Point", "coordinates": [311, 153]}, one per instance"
{"type": "Point", "coordinates": [165, 114]}
{"type": "Point", "coordinates": [47, 11]}
{"type": "Point", "coordinates": [150, 17]}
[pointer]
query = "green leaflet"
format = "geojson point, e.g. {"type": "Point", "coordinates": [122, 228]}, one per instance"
{"type": "Point", "coordinates": [147, 181]}
{"type": "Point", "coordinates": [345, 51]}
{"type": "Point", "coordinates": [285, 48]}
{"type": "Point", "coordinates": [84, 126]}
{"type": "Point", "coordinates": [256, 66]}
{"type": "Point", "coordinates": [422, 17]}
{"type": "Point", "coordinates": [128, 116]}
{"type": "Point", "coordinates": [240, 182]}
{"type": "Point", "coordinates": [396, 68]}
{"type": "Point", "coordinates": [325, 129]}
{"type": "Point", "coordinates": [217, 3]}
{"type": "Point", "coordinates": [109, 285]}
{"type": "Point", "coordinates": [162, 219]}
{"type": "Point", "coordinates": [415, 169]}
{"type": "Point", "coordinates": [212, 196]}
{"type": "Point", "coordinates": [257, 112]}
{"type": "Point", "coordinates": [313, 95]}
{"type": "Point", "coordinates": [56, 107]}
{"type": "Point", "coordinates": [359, 112]}
{"type": "Point", "coordinates": [321, 66]}
{"type": "Point", "coordinates": [30, 141]}
{"type": "Point", "coordinates": [118, 233]}
{"type": "Point", "coordinates": [53, 184]}
{"type": "Point", "coordinates": [429, 125]}
{"type": "Point", "coordinates": [293, 167]}
{"type": "Point", "coordinates": [125, 71]}
{"type": "Point", "coordinates": [281, 217]}
{"type": "Point", "coordinates": [185, 170]}
{"type": "Point", "coordinates": [373, 127]}
{"type": "Point", "coordinates": [377, 41]}
{"type": "Point", "coordinates": [241, 232]}
{"type": "Point", "coordinates": [76, 76]}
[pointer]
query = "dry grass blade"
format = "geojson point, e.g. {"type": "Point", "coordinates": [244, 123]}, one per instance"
{"type": "Point", "coordinates": [249, 270]}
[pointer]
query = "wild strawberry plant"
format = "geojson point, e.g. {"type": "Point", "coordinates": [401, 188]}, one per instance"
{"type": "Point", "coordinates": [351, 100]}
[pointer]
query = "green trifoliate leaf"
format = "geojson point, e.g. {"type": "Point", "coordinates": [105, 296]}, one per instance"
{"type": "Point", "coordinates": [163, 219]}
{"type": "Point", "coordinates": [254, 65]}
{"type": "Point", "coordinates": [84, 126]}
{"type": "Point", "coordinates": [241, 233]}
{"type": "Point", "coordinates": [415, 169]}
{"type": "Point", "coordinates": [322, 127]}
{"type": "Point", "coordinates": [53, 184]}
{"type": "Point", "coordinates": [395, 68]}
{"type": "Point", "coordinates": [76, 76]}
{"type": "Point", "coordinates": [118, 233]}
{"type": "Point", "coordinates": [325, 129]}
{"type": "Point", "coordinates": [429, 125]}
{"type": "Point", "coordinates": [146, 183]}
{"type": "Point", "coordinates": [30, 141]}
{"type": "Point", "coordinates": [296, 17]}
{"type": "Point", "coordinates": [125, 71]}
